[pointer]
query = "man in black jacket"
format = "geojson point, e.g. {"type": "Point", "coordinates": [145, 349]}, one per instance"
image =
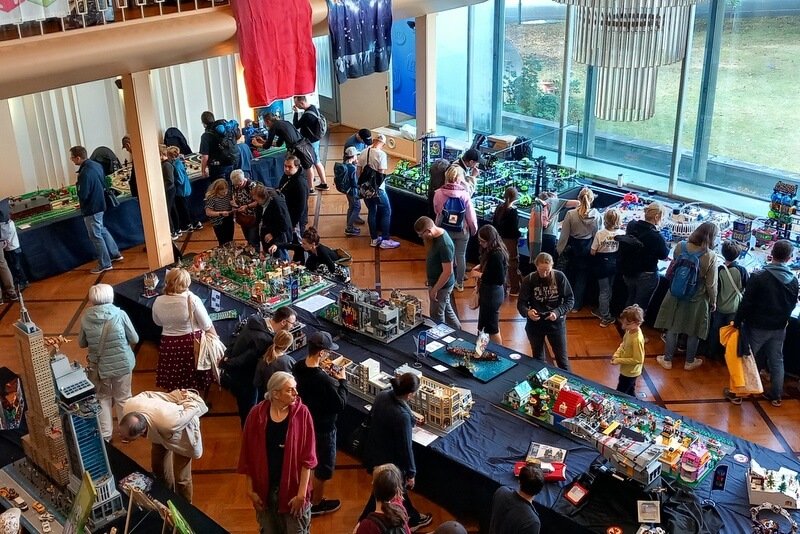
{"type": "Point", "coordinates": [326, 398]}
{"type": "Point", "coordinates": [272, 219]}
{"type": "Point", "coordinates": [249, 346]}
{"type": "Point", "coordinates": [294, 189]}
{"type": "Point", "coordinates": [768, 301]}
{"type": "Point", "coordinates": [639, 252]}
{"type": "Point", "coordinates": [308, 125]}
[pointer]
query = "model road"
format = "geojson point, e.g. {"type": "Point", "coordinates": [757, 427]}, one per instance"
{"type": "Point", "coordinates": [544, 10]}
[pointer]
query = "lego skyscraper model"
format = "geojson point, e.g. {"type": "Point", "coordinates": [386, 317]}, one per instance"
{"type": "Point", "coordinates": [44, 444]}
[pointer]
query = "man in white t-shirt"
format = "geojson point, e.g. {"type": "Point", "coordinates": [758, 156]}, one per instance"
{"type": "Point", "coordinates": [380, 211]}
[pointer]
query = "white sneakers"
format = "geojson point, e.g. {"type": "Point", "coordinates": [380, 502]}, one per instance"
{"type": "Point", "coordinates": [688, 366]}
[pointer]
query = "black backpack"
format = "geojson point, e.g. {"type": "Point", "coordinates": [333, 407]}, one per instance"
{"type": "Point", "coordinates": [226, 134]}
{"type": "Point", "coordinates": [322, 124]}
{"type": "Point", "coordinates": [384, 528]}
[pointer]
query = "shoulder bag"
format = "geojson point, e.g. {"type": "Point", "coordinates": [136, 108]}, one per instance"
{"type": "Point", "coordinates": [475, 297]}
{"type": "Point", "coordinates": [195, 341]}
{"type": "Point", "coordinates": [111, 199]}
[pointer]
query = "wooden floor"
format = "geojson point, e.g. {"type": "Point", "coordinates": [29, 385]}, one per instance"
{"type": "Point", "coordinates": [57, 304]}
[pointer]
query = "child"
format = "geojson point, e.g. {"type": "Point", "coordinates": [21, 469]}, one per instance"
{"type": "Point", "coordinates": [275, 359]}
{"type": "Point", "coordinates": [13, 254]}
{"type": "Point", "coordinates": [605, 249]}
{"type": "Point", "coordinates": [630, 354]}
{"type": "Point", "coordinates": [731, 281]}
{"type": "Point", "coordinates": [348, 171]}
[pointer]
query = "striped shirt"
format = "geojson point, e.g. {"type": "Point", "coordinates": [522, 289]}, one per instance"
{"type": "Point", "coordinates": [218, 204]}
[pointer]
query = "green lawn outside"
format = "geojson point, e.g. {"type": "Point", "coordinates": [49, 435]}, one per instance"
{"type": "Point", "coordinates": [757, 107]}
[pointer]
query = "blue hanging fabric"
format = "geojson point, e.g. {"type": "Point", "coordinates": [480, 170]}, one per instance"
{"type": "Point", "coordinates": [361, 37]}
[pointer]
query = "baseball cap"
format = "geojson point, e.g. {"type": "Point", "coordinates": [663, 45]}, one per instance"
{"type": "Point", "coordinates": [365, 136]}
{"type": "Point", "coordinates": [381, 138]}
{"type": "Point", "coordinates": [321, 340]}
{"type": "Point", "coordinates": [472, 155]}
{"type": "Point", "coordinates": [350, 151]}
{"type": "Point", "coordinates": [450, 527]}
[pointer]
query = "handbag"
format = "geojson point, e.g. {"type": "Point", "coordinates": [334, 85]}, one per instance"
{"type": "Point", "coordinates": [93, 371]}
{"type": "Point", "coordinates": [196, 342]}
{"type": "Point", "coordinates": [475, 297]}
{"type": "Point", "coordinates": [244, 220]}
{"type": "Point", "coordinates": [358, 437]}
{"type": "Point", "coordinates": [111, 199]}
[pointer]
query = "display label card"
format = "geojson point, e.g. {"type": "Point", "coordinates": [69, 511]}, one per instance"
{"type": "Point", "coordinates": [215, 299]}
{"type": "Point", "coordinates": [448, 339]}
{"type": "Point", "coordinates": [440, 368]}
{"type": "Point", "coordinates": [433, 346]}
{"type": "Point", "coordinates": [649, 511]}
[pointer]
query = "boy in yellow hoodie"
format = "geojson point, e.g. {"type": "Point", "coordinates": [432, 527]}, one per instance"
{"type": "Point", "coordinates": [630, 354]}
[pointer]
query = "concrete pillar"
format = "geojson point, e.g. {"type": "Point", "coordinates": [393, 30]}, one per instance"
{"type": "Point", "coordinates": [140, 117]}
{"type": "Point", "coordinates": [426, 76]}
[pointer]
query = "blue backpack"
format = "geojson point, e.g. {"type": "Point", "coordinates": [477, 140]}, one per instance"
{"type": "Point", "coordinates": [454, 214]}
{"type": "Point", "coordinates": [685, 273]}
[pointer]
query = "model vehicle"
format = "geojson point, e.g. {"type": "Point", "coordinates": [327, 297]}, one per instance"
{"type": "Point", "coordinates": [46, 517]}
{"type": "Point", "coordinates": [12, 493]}
{"type": "Point", "coordinates": [46, 527]}
{"type": "Point", "coordinates": [20, 503]}
{"type": "Point", "coordinates": [38, 507]}
{"type": "Point", "coordinates": [4, 492]}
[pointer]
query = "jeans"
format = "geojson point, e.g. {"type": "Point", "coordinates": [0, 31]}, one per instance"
{"type": "Point", "coordinates": [627, 385]}
{"type": "Point", "coordinates": [767, 347]}
{"type": "Point", "coordinates": [491, 298]}
{"type": "Point", "coordinates": [173, 470]}
{"type": "Point", "coordinates": [353, 210]}
{"type": "Point", "coordinates": [460, 240]}
{"type": "Point", "coordinates": [557, 336]}
{"type": "Point", "coordinates": [641, 289]}
{"type": "Point", "coordinates": [251, 236]}
{"type": "Point", "coordinates": [549, 243]}
{"type": "Point", "coordinates": [6, 278]}
{"type": "Point", "coordinates": [579, 275]}
{"type": "Point", "coordinates": [442, 309]}
{"type": "Point", "coordinates": [672, 344]}
{"type": "Point", "coordinates": [14, 260]}
{"type": "Point", "coordinates": [110, 392]}
{"type": "Point", "coordinates": [605, 285]}
{"type": "Point", "coordinates": [271, 521]}
{"type": "Point", "coordinates": [718, 319]}
{"type": "Point", "coordinates": [380, 215]}
{"type": "Point", "coordinates": [105, 247]}
{"type": "Point", "coordinates": [513, 276]}
{"type": "Point", "coordinates": [246, 397]}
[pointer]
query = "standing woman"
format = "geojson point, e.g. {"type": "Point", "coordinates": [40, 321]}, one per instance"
{"type": "Point", "coordinates": [244, 207]}
{"type": "Point", "coordinates": [459, 226]}
{"type": "Point", "coordinates": [691, 316]}
{"type": "Point", "coordinates": [389, 439]}
{"type": "Point", "coordinates": [277, 456]}
{"type": "Point", "coordinates": [220, 211]}
{"type": "Point", "coordinates": [183, 190]}
{"type": "Point", "coordinates": [168, 175]}
{"type": "Point", "coordinates": [108, 332]}
{"type": "Point", "coordinates": [491, 275]}
{"type": "Point", "coordinates": [506, 220]}
{"type": "Point", "coordinates": [577, 234]}
{"type": "Point", "coordinates": [181, 316]}
{"type": "Point", "coordinates": [275, 359]}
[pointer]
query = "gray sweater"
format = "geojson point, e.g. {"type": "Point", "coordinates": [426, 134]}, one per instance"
{"type": "Point", "coordinates": [117, 358]}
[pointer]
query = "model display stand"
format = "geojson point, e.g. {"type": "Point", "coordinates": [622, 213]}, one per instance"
{"type": "Point", "coordinates": [369, 314]}
{"type": "Point", "coordinates": [473, 358]}
{"type": "Point", "coordinates": [440, 408]}
{"type": "Point", "coordinates": [267, 284]}
{"type": "Point", "coordinates": [43, 205]}
{"type": "Point", "coordinates": [121, 179]}
{"type": "Point", "coordinates": [765, 485]}
{"type": "Point", "coordinates": [682, 220]}
{"type": "Point", "coordinates": [641, 444]}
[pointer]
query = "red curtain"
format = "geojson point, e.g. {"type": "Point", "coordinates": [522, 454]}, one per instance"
{"type": "Point", "coordinates": [275, 45]}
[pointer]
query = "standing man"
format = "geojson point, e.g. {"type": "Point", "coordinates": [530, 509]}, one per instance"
{"type": "Point", "coordinates": [126, 144]}
{"type": "Point", "coordinates": [171, 421]}
{"type": "Point", "coordinates": [359, 140]}
{"type": "Point", "coordinates": [310, 125]}
{"type": "Point", "coordinates": [241, 359]}
{"type": "Point", "coordinates": [213, 163]}
{"type": "Point", "coordinates": [469, 161]}
{"type": "Point", "coordinates": [284, 132]}
{"type": "Point", "coordinates": [513, 511]}
{"type": "Point", "coordinates": [640, 249]}
{"type": "Point", "coordinates": [768, 302]}
{"type": "Point", "coordinates": [326, 398]}
{"type": "Point", "coordinates": [294, 189]}
{"type": "Point", "coordinates": [439, 271]}
{"type": "Point", "coordinates": [91, 184]}
{"type": "Point", "coordinates": [380, 211]}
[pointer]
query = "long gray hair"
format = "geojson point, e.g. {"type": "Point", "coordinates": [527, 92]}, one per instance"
{"type": "Point", "coordinates": [276, 383]}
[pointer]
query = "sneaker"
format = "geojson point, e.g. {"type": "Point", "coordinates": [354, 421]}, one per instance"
{"type": "Point", "coordinates": [375, 242]}
{"type": "Point", "coordinates": [352, 231]}
{"type": "Point", "coordinates": [663, 362]}
{"type": "Point", "coordinates": [460, 288]}
{"type": "Point", "coordinates": [774, 402]}
{"type": "Point", "coordinates": [98, 269]}
{"type": "Point", "coordinates": [597, 314]}
{"type": "Point", "coordinates": [688, 366]}
{"type": "Point", "coordinates": [608, 321]}
{"type": "Point", "coordinates": [512, 294]}
{"type": "Point", "coordinates": [13, 297]}
{"type": "Point", "coordinates": [663, 337]}
{"type": "Point", "coordinates": [118, 258]}
{"type": "Point", "coordinates": [424, 521]}
{"type": "Point", "coordinates": [323, 187]}
{"type": "Point", "coordinates": [175, 236]}
{"type": "Point", "coordinates": [388, 243]}
{"type": "Point", "coordinates": [360, 221]}
{"type": "Point", "coordinates": [313, 192]}
{"type": "Point", "coordinates": [731, 396]}
{"type": "Point", "coordinates": [198, 226]}
{"type": "Point", "coordinates": [190, 228]}
{"type": "Point", "coordinates": [325, 506]}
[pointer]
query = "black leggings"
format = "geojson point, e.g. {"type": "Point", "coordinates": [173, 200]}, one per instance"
{"type": "Point", "coordinates": [224, 231]}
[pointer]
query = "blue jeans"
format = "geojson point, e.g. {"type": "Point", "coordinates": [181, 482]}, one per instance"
{"type": "Point", "coordinates": [641, 289]}
{"type": "Point", "coordinates": [105, 247]}
{"type": "Point", "coordinates": [353, 209]}
{"type": "Point", "coordinates": [380, 215]}
{"type": "Point", "coordinates": [460, 240]}
{"type": "Point", "coordinates": [557, 336]}
{"type": "Point", "coordinates": [767, 347]}
{"type": "Point", "coordinates": [672, 344]}
{"type": "Point", "coordinates": [605, 285]}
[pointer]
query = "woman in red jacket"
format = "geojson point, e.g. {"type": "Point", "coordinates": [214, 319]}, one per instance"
{"type": "Point", "coordinates": [277, 457]}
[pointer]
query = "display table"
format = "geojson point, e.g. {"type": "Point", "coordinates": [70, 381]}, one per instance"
{"type": "Point", "coordinates": [462, 470]}
{"type": "Point", "coordinates": [268, 169]}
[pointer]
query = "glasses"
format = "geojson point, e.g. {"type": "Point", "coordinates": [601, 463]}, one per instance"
{"type": "Point", "coordinates": [290, 323]}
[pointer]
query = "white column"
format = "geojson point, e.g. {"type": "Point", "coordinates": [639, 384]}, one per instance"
{"type": "Point", "coordinates": [425, 29]}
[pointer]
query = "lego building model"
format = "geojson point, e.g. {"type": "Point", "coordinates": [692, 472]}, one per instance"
{"type": "Point", "coordinates": [781, 209]}
{"type": "Point", "coordinates": [640, 443]}
{"type": "Point", "coordinates": [780, 487]}
{"type": "Point", "coordinates": [64, 439]}
{"type": "Point", "coordinates": [265, 284]}
{"type": "Point", "coordinates": [368, 313]}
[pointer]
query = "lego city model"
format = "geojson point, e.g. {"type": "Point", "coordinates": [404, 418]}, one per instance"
{"type": "Point", "coordinates": [264, 284]}
{"type": "Point", "coordinates": [368, 313]}
{"type": "Point", "coordinates": [780, 487]}
{"type": "Point", "coordinates": [150, 281]}
{"type": "Point", "coordinates": [641, 443]}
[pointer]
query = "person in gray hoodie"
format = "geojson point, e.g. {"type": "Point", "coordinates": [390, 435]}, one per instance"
{"type": "Point", "coordinates": [575, 242]}
{"type": "Point", "coordinates": [768, 301]}
{"type": "Point", "coordinates": [108, 332]}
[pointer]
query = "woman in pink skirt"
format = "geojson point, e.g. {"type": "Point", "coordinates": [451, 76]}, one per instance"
{"type": "Point", "coordinates": [176, 367]}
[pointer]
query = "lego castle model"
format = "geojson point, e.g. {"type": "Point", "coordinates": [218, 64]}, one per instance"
{"type": "Point", "coordinates": [64, 437]}
{"type": "Point", "coordinates": [781, 487]}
